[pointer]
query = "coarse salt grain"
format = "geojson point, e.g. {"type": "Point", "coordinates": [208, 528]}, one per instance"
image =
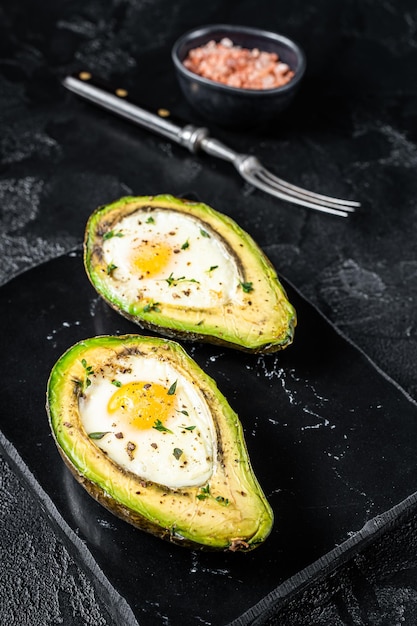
{"type": "Point", "coordinates": [235, 66]}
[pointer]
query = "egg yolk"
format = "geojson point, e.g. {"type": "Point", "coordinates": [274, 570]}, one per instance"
{"type": "Point", "coordinates": [150, 258]}
{"type": "Point", "coordinates": [142, 403]}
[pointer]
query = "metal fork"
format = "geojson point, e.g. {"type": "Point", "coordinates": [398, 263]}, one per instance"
{"type": "Point", "coordinates": [198, 139]}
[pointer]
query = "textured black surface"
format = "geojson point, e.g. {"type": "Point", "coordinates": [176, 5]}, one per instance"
{"type": "Point", "coordinates": [324, 454]}
{"type": "Point", "coordinates": [351, 131]}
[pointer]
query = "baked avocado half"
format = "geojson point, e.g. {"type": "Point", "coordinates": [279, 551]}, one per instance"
{"type": "Point", "coordinates": [186, 271]}
{"type": "Point", "coordinates": [150, 436]}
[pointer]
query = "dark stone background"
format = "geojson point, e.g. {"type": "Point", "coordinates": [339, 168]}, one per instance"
{"type": "Point", "coordinates": [351, 132]}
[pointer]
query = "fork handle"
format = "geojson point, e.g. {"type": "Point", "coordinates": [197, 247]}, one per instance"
{"type": "Point", "coordinates": [191, 137]}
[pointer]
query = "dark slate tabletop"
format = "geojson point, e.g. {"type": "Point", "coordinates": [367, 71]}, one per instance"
{"type": "Point", "coordinates": [352, 131]}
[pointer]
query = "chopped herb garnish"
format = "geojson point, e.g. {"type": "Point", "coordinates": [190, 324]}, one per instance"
{"type": "Point", "coordinates": [151, 306]}
{"type": "Point", "coordinates": [205, 493]}
{"type": "Point", "coordinates": [88, 368]}
{"type": "Point", "coordinates": [116, 383]}
{"type": "Point", "coordinates": [183, 412]}
{"type": "Point", "coordinates": [185, 245]}
{"type": "Point", "coordinates": [213, 267]}
{"type": "Point", "coordinates": [111, 233]}
{"type": "Point", "coordinates": [88, 371]}
{"type": "Point", "coordinates": [172, 389]}
{"type": "Point", "coordinates": [110, 268]}
{"type": "Point", "coordinates": [171, 280]}
{"type": "Point", "coordinates": [188, 427]}
{"type": "Point", "coordinates": [177, 453]}
{"type": "Point", "coordinates": [162, 429]}
{"type": "Point", "coordinates": [150, 220]}
{"type": "Point", "coordinates": [247, 287]}
{"type": "Point", "coordinates": [204, 233]}
{"type": "Point", "coordinates": [98, 435]}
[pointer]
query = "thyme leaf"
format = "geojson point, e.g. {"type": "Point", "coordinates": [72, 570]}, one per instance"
{"type": "Point", "coordinates": [172, 389]}
{"type": "Point", "coordinates": [206, 493]}
{"type": "Point", "coordinates": [110, 268]}
{"type": "Point", "coordinates": [98, 435]}
{"type": "Point", "coordinates": [151, 306]}
{"type": "Point", "coordinates": [88, 371]}
{"type": "Point", "coordinates": [158, 425]}
{"type": "Point", "coordinates": [173, 281]}
{"type": "Point", "coordinates": [88, 368]}
{"type": "Point", "coordinates": [111, 233]}
{"type": "Point", "coordinates": [222, 500]}
{"type": "Point", "coordinates": [247, 287]}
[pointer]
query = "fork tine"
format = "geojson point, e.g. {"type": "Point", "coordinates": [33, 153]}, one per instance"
{"type": "Point", "coordinates": [295, 199]}
{"type": "Point", "coordinates": [347, 205]}
{"type": "Point", "coordinates": [255, 173]}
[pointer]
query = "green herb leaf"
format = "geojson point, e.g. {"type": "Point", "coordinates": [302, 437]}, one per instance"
{"type": "Point", "coordinates": [110, 268]}
{"type": "Point", "coordinates": [151, 306]}
{"type": "Point", "coordinates": [162, 429]}
{"type": "Point", "coordinates": [222, 500]}
{"type": "Point", "coordinates": [205, 493]}
{"type": "Point", "coordinates": [116, 383]}
{"type": "Point", "coordinates": [188, 427]}
{"type": "Point", "coordinates": [111, 233]}
{"type": "Point", "coordinates": [183, 412]}
{"type": "Point", "coordinates": [213, 267]}
{"type": "Point", "coordinates": [98, 435]}
{"type": "Point", "coordinates": [204, 233]}
{"type": "Point", "coordinates": [185, 245]}
{"type": "Point", "coordinates": [88, 370]}
{"type": "Point", "coordinates": [172, 389]}
{"type": "Point", "coordinates": [173, 281]}
{"type": "Point", "coordinates": [247, 287]}
{"type": "Point", "coordinates": [177, 453]}
{"type": "Point", "coordinates": [150, 220]}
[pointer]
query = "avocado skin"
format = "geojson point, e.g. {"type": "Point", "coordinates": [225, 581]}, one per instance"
{"type": "Point", "coordinates": [267, 324]}
{"type": "Point", "coordinates": [242, 525]}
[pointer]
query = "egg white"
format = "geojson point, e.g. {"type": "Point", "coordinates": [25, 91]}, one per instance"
{"type": "Point", "coordinates": [209, 275]}
{"type": "Point", "coordinates": [150, 453]}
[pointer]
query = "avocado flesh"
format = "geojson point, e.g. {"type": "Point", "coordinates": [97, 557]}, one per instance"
{"type": "Point", "coordinates": [229, 512]}
{"type": "Point", "coordinates": [262, 320]}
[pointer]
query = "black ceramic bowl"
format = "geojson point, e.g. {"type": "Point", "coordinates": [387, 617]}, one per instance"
{"type": "Point", "coordinates": [232, 106]}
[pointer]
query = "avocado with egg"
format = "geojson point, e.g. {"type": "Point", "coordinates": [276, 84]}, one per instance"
{"type": "Point", "coordinates": [149, 435]}
{"type": "Point", "coordinates": [186, 271]}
